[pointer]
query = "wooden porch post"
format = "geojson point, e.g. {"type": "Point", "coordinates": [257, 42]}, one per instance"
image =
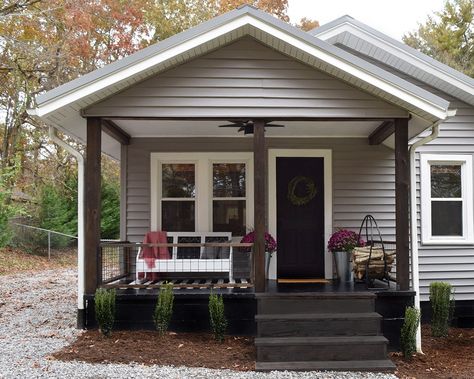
{"type": "Point", "coordinates": [402, 181]}
{"type": "Point", "coordinates": [260, 178]}
{"type": "Point", "coordinates": [92, 203]}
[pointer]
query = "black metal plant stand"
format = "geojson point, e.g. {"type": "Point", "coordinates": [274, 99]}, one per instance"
{"type": "Point", "coordinates": [374, 240]}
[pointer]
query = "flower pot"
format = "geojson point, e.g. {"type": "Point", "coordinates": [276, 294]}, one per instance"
{"type": "Point", "coordinates": [344, 266]}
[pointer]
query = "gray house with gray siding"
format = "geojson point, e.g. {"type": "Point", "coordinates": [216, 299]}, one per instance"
{"type": "Point", "coordinates": [247, 123]}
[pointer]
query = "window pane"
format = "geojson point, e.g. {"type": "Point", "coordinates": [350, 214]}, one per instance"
{"type": "Point", "coordinates": [446, 218]}
{"type": "Point", "coordinates": [229, 216]}
{"type": "Point", "coordinates": [178, 180]}
{"type": "Point", "coordinates": [445, 181]}
{"type": "Point", "coordinates": [177, 216]}
{"type": "Point", "coordinates": [228, 179]}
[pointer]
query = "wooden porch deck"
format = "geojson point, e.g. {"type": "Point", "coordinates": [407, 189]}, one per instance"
{"type": "Point", "coordinates": [181, 284]}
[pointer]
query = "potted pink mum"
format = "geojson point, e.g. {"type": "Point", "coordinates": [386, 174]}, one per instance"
{"type": "Point", "coordinates": [341, 244]}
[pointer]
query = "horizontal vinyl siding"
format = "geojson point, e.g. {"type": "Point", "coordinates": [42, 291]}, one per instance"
{"type": "Point", "coordinates": [454, 264]}
{"type": "Point", "coordinates": [244, 79]}
{"type": "Point", "coordinates": [363, 177]}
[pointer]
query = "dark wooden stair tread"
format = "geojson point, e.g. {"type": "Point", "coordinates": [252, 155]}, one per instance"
{"type": "Point", "coordinates": [316, 295]}
{"type": "Point", "coordinates": [317, 316]}
{"type": "Point", "coordinates": [363, 365]}
{"type": "Point", "coordinates": [332, 340]}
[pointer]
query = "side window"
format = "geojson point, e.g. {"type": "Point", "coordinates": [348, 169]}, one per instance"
{"type": "Point", "coordinates": [446, 199]}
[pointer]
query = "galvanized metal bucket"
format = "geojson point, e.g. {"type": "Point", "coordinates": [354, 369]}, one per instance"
{"type": "Point", "coordinates": [344, 266]}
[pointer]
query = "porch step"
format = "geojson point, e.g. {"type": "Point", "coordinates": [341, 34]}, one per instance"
{"type": "Point", "coordinates": [318, 324]}
{"type": "Point", "coordinates": [320, 331]}
{"type": "Point", "coordinates": [368, 365]}
{"type": "Point", "coordinates": [315, 302]}
{"type": "Point", "coordinates": [346, 348]}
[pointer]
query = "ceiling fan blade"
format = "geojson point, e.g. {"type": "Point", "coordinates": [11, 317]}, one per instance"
{"type": "Point", "coordinates": [274, 126]}
{"type": "Point", "coordinates": [229, 126]}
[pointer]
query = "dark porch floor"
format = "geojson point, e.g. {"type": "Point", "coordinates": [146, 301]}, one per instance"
{"type": "Point", "coordinates": [333, 286]}
{"type": "Point", "coordinates": [272, 287]}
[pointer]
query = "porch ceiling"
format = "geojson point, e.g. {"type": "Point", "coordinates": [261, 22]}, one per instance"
{"type": "Point", "coordinates": [202, 128]}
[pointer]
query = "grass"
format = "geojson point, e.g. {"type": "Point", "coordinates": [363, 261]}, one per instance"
{"type": "Point", "coordinates": [13, 261]}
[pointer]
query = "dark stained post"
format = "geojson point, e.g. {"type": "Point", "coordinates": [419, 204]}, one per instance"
{"type": "Point", "coordinates": [402, 184]}
{"type": "Point", "coordinates": [260, 178]}
{"type": "Point", "coordinates": [92, 203]}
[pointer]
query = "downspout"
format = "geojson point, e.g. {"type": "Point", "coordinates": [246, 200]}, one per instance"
{"type": "Point", "coordinates": [415, 277]}
{"type": "Point", "coordinates": [80, 223]}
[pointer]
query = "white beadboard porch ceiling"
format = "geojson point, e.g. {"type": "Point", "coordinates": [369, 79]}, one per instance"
{"type": "Point", "coordinates": [63, 107]}
{"type": "Point", "coordinates": [199, 128]}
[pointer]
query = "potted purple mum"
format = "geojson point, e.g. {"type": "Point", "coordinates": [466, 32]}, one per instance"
{"type": "Point", "coordinates": [270, 247]}
{"type": "Point", "coordinates": [341, 244]}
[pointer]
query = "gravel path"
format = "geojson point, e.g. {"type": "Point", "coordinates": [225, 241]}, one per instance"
{"type": "Point", "coordinates": [37, 317]}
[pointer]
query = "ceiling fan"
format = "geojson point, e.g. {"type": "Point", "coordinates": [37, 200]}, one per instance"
{"type": "Point", "coordinates": [247, 125]}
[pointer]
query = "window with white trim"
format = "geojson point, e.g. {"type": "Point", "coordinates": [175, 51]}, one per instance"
{"type": "Point", "coordinates": [178, 196]}
{"type": "Point", "coordinates": [446, 199]}
{"type": "Point", "coordinates": [229, 201]}
{"type": "Point", "coordinates": [202, 192]}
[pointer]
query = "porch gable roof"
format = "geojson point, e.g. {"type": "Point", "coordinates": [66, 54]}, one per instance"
{"type": "Point", "coordinates": [357, 36]}
{"type": "Point", "coordinates": [66, 101]}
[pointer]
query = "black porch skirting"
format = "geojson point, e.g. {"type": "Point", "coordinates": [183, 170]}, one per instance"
{"type": "Point", "coordinates": [135, 311]}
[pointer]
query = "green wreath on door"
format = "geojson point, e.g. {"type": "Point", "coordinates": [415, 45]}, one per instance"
{"type": "Point", "coordinates": [310, 187]}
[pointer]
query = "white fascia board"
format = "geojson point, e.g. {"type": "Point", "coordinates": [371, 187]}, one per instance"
{"type": "Point", "coordinates": [318, 53]}
{"type": "Point", "coordinates": [395, 51]}
{"type": "Point", "coordinates": [141, 66]}
{"type": "Point", "coordinates": [417, 101]}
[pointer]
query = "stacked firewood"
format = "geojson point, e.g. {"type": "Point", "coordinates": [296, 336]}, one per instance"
{"type": "Point", "coordinates": [378, 259]}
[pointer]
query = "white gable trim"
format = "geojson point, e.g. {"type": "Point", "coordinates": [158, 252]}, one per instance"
{"type": "Point", "coordinates": [357, 72]}
{"type": "Point", "coordinates": [351, 69]}
{"type": "Point", "coordinates": [394, 49]}
{"type": "Point", "coordinates": [127, 72]}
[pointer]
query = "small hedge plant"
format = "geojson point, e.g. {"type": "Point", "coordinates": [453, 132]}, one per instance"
{"type": "Point", "coordinates": [408, 332]}
{"type": "Point", "coordinates": [164, 308]}
{"type": "Point", "coordinates": [442, 305]}
{"type": "Point", "coordinates": [217, 316]}
{"type": "Point", "coordinates": [105, 310]}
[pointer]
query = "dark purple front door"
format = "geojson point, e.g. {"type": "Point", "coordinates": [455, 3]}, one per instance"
{"type": "Point", "coordinates": [300, 217]}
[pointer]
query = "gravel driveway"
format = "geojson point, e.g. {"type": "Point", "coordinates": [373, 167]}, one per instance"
{"type": "Point", "coordinates": [37, 317]}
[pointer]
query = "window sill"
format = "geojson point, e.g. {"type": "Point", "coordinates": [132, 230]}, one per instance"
{"type": "Point", "coordinates": [452, 242]}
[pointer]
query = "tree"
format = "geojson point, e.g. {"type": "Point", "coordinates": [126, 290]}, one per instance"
{"type": "Point", "coordinates": [307, 24]}
{"type": "Point", "coordinates": [8, 6]}
{"type": "Point", "coordinates": [278, 8]}
{"type": "Point", "coordinates": [448, 36]}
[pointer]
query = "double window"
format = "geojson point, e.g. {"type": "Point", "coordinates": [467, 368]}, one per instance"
{"type": "Point", "coordinates": [202, 192]}
{"type": "Point", "coordinates": [446, 199]}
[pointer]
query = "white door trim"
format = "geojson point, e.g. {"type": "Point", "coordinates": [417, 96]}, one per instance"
{"type": "Point", "coordinates": [272, 201]}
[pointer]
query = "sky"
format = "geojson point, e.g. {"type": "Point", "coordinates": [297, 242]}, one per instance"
{"type": "Point", "coordinates": [392, 17]}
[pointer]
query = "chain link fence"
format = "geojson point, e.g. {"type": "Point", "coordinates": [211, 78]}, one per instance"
{"type": "Point", "coordinates": [41, 241]}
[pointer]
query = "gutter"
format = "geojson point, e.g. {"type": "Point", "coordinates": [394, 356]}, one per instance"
{"type": "Point", "coordinates": [415, 275]}
{"type": "Point", "coordinates": [80, 224]}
